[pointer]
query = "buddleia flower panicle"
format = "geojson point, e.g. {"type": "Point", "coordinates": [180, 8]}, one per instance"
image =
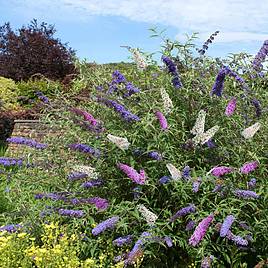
{"type": "Point", "coordinates": [225, 227]}
{"type": "Point", "coordinates": [220, 171]}
{"type": "Point", "coordinates": [164, 179]}
{"type": "Point", "coordinates": [207, 261]}
{"type": "Point", "coordinates": [27, 142]}
{"type": "Point", "coordinates": [183, 212]}
{"type": "Point", "coordinates": [260, 57]}
{"type": "Point", "coordinates": [83, 148]}
{"type": "Point", "coordinates": [249, 132]}
{"type": "Point", "coordinates": [77, 176]}
{"type": "Point", "coordinates": [204, 48]}
{"type": "Point", "coordinates": [172, 68]}
{"type": "Point", "coordinates": [149, 216]}
{"type": "Point", "coordinates": [218, 86]}
{"type": "Point", "coordinates": [252, 183]}
{"type": "Point", "coordinates": [71, 213]}
{"type": "Point", "coordinates": [167, 102]}
{"type": "Point", "coordinates": [199, 126]}
{"type": "Point", "coordinates": [155, 155]}
{"type": "Point", "coordinates": [119, 108]}
{"type": "Point", "coordinates": [206, 136]}
{"type": "Point", "coordinates": [211, 144]}
{"type": "Point", "coordinates": [246, 194]}
{"type": "Point", "coordinates": [196, 185]}
{"type": "Point", "coordinates": [186, 173]}
{"type": "Point", "coordinates": [136, 177]}
{"type": "Point", "coordinates": [120, 142]}
{"type": "Point", "coordinates": [174, 172]}
{"type": "Point", "coordinates": [107, 224]}
{"type": "Point", "coordinates": [162, 120]}
{"type": "Point", "coordinates": [130, 90]}
{"type": "Point", "coordinates": [8, 161]}
{"type": "Point", "coordinates": [123, 240]}
{"type": "Point", "coordinates": [118, 77]}
{"type": "Point", "coordinates": [87, 116]}
{"type": "Point", "coordinates": [190, 225]}
{"type": "Point", "coordinates": [52, 196]}
{"type": "Point", "coordinates": [42, 97]}
{"type": "Point", "coordinates": [139, 59]}
{"type": "Point", "coordinates": [200, 231]}
{"type": "Point", "coordinates": [258, 110]}
{"type": "Point", "coordinates": [249, 167]}
{"type": "Point", "coordinates": [92, 183]}
{"type": "Point", "coordinates": [90, 171]}
{"type": "Point", "coordinates": [11, 228]}
{"type": "Point", "coordinates": [230, 108]}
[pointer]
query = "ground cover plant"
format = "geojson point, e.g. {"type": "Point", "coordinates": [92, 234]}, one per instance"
{"type": "Point", "coordinates": [157, 165]}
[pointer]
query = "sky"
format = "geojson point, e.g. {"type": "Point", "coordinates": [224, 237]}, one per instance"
{"type": "Point", "coordinates": [97, 28]}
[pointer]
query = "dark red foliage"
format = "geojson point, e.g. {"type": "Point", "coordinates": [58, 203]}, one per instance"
{"type": "Point", "coordinates": [32, 49]}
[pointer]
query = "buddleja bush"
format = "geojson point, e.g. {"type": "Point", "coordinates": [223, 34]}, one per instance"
{"type": "Point", "coordinates": [172, 173]}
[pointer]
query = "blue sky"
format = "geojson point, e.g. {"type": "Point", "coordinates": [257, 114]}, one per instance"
{"type": "Point", "coordinates": [97, 28]}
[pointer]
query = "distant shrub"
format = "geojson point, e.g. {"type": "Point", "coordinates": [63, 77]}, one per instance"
{"type": "Point", "coordinates": [33, 49]}
{"type": "Point", "coordinates": [8, 93]}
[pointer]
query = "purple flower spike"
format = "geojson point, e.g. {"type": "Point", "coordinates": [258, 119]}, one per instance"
{"type": "Point", "coordinates": [107, 224]}
{"type": "Point", "coordinates": [11, 228]}
{"type": "Point", "coordinates": [252, 183]}
{"type": "Point", "coordinates": [246, 194]}
{"type": "Point", "coordinates": [248, 167]}
{"type": "Point", "coordinates": [190, 225]}
{"type": "Point", "coordinates": [164, 179]}
{"type": "Point", "coordinates": [196, 185]}
{"type": "Point", "coordinates": [256, 103]}
{"type": "Point", "coordinates": [27, 142]}
{"type": "Point", "coordinates": [230, 108]}
{"type": "Point", "coordinates": [220, 171]}
{"type": "Point", "coordinates": [186, 173]}
{"type": "Point", "coordinates": [8, 162]}
{"type": "Point", "coordinates": [136, 177]}
{"type": "Point", "coordinates": [100, 203]}
{"type": "Point", "coordinates": [237, 239]}
{"type": "Point", "coordinates": [85, 149]}
{"type": "Point", "coordinates": [206, 262]}
{"type": "Point", "coordinates": [71, 213]}
{"type": "Point", "coordinates": [225, 227]}
{"type": "Point", "coordinates": [77, 176]}
{"type": "Point", "coordinates": [121, 241]}
{"type": "Point", "coordinates": [92, 183]}
{"type": "Point", "coordinates": [162, 120]}
{"type": "Point", "coordinates": [200, 231]}
{"type": "Point", "coordinates": [42, 97]}
{"type": "Point", "coordinates": [260, 57]}
{"type": "Point", "coordinates": [155, 155]}
{"type": "Point", "coordinates": [219, 83]}
{"type": "Point", "coordinates": [182, 212]}
{"type": "Point", "coordinates": [168, 241]}
{"type": "Point", "coordinates": [87, 116]}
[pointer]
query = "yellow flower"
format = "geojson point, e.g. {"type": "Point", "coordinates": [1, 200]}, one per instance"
{"type": "Point", "coordinates": [21, 235]}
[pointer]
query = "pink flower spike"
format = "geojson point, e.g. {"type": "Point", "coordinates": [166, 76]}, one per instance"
{"type": "Point", "coordinates": [230, 108]}
{"type": "Point", "coordinates": [220, 171]}
{"type": "Point", "coordinates": [87, 116]}
{"type": "Point", "coordinates": [200, 230]}
{"type": "Point", "coordinates": [248, 167]}
{"type": "Point", "coordinates": [162, 120]}
{"type": "Point", "coordinates": [136, 177]}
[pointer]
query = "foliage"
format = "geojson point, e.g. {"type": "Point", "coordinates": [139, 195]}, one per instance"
{"type": "Point", "coordinates": [8, 94]}
{"type": "Point", "coordinates": [45, 173]}
{"type": "Point", "coordinates": [33, 49]}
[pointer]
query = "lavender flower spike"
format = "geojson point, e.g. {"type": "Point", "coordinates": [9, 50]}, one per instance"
{"type": "Point", "coordinates": [162, 120]}
{"type": "Point", "coordinates": [220, 171]}
{"type": "Point", "coordinates": [219, 83]}
{"type": "Point", "coordinates": [246, 194]}
{"type": "Point", "coordinates": [121, 241]}
{"type": "Point", "coordinates": [11, 228]}
{"type": "Point", "coordinates": [230, 108]}
{"type": "Point", "coordinates": [182, 212]}
{"type": "Point", "coordinates": [107, 224]}
{"type": "Point", "coordinates": [190, 225]}
{"type": "Point", "coordinates": [252, 183]}
{"type": "Point", "coordinates": [27, 142]}
{"type": "Point", "coordinates": [71, 213]}
{"type": "Point", "coordinates": [136, 177]}
{"type": "Point", "coordinates": [200, 231]}
{"type": "Point", "coordinates": [85, 149]}
{"type": "Point", "coordinates": [206, 262]}
{"type": "Point", "coordinates": [225, 227]}
{"type": "Point", "coordinates": [248, 167]}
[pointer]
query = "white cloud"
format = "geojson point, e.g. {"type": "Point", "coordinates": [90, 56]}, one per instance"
{"type": "Point", "coordinates": [237, 20]}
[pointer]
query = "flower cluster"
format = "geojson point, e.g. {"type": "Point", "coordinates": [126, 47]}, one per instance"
{"type": "Point", "coordinates": [100, 203]}
{"type": "Point", "coordinates": [249, 132]}
{"type": "Point", "coordinates": [87, 116]}
{"type": "Point", "coordinates": [119, 108]}
{"type": "Point", "coordinates": [225, 227]}
{"type": "Point", "coordinates": [202, 51]}
{"type": "Point", "coordinates": [85, 149]}
{"type": "Point", "coordinates": [186, 173]}
{"type": "Point", "coordinates": [107, 224]}
{"type": "Point", "coordinates": [167, 102]}
{"type": "Point", "coordinates": [149, 216]}
{"type": "Point", "coordinates": [8, 161]}
{"type": "Point", "coordinates": [230, 108]}
{"type": "Point", "coordinates": [256, 103]}
{"type": "Point", "coordinates": [162, 120]}
{"type": "Point", "coordinates": [122, 143]}
{"type": "Point", "coordinates": [136, 177]}
{"type": "Point", "coordinates": [155, 155]}
{"type": "Point", "coordinates": [11, 228]}
{"type": "Point", "coordinates": [252, 183]}
{"type": "Point", "coordinates": [42, 97]}
{"type": "Point", "coordinates": [249, 167]}
{"type": "Point", "coordinates": [27, 142]}
{"type": "Point", "coordinates": [92, 183]}
{"type": "Point", "coordinates": [260, 57]}
{"type": "Point", "coordinates": [206, 262]}
{"type": "Point", "coordinates": [77, 176]}
{"type": "Point", "coordinates": [196, 184]}
{"type": "Point", "coordinates": [121, 241]}
{"type": "Point", "coordinates": [71, 213]}
{"type": "Point", "coordinates": [138, 58]}
{"type": "Point", "coordinates": [200, 230]}
{"type": "Point", "coordinates": [183, 212]}
{"type": "Point", "coordinates": [173, 70]}
{"type": "Point", "coordinates": [246, 194]}
{"type": "Point", "coordinates": [220, 171]}
{"type": "Point", "coordinates": [164, 179]}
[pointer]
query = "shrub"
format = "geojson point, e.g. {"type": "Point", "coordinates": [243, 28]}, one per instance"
{"type": "Point", "coordinates": [33, 49]}
{"type": "Point", "coordinates": [8, 93]}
